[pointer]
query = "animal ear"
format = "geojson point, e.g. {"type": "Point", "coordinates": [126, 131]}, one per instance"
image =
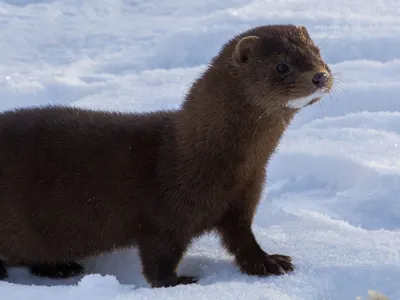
{"type": "Point", "coordinates": [304, 31]}
{"type": "Point", "coordinates": [244, 48]}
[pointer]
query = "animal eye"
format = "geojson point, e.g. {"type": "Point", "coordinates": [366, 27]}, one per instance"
{"type": "Point", "coordinates": [282, 68]}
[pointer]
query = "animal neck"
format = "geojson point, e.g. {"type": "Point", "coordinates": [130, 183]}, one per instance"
{"type": "Point", "coordinates": [217, 118]}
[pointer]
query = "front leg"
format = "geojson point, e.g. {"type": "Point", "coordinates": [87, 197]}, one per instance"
{"type": "Point", "coordinates": [239, 240]}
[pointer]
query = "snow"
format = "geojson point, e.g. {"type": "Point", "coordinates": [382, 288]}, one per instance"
{"type": "Point", "coordinates": [333, 196]}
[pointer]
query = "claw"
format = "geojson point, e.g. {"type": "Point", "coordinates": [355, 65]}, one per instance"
{"type": "Point", "coordinates": [187, 279]}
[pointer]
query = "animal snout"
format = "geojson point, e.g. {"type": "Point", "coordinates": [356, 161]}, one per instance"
{"type": "Point", "coordinates": [321, 79]}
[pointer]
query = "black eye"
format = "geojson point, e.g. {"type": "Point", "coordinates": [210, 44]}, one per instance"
{"type": "Point", "coordinates": [282, 68]}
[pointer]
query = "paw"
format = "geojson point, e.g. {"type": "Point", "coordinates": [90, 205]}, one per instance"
{"type": "Point", "coordinates": [174, 281]}
{"type": "Point", "coordinates": [60, 270]}
{"type": "Point", "coordinates": [281, 257]}
{"type": "Point", "coordinates": [187, 280]}
{"type": "Point", "coordinates": [274, 264]}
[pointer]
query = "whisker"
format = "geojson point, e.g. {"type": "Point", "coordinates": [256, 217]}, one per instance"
{"type": "Point", "coordinates": [340, 81]}
{"type": "Point", "coordinates": [319, 44]}
{"type": "Point", "coordinates": [337, 88]}
{"type": "Point", "coordinates": [331, 95]}
{"type": "Point", "coordinates": [339, 78]}
{"type": "Point", "coordinates": [320, 106]}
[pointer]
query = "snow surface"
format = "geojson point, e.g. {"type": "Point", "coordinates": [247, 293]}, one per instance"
{"type": "Point", "coordinates": [333, 197]}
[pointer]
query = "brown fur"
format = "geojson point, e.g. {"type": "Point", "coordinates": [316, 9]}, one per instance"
{"type": "Point", "coordinates": [76, 182]}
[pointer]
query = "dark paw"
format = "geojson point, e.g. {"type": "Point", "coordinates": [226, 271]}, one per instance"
{"type": "Point", "coordinates": [187, 279]}
{"type": "Point", "coordinates": [281, 257]}
{"type": "Point", "coordinates": [60, 270]}
{"type": "Point", "coordinates": [274, 264]}
{"type": "Point", "coordinates": [174, 281]}
{"type": "Point", "coordinates": [3, 271]}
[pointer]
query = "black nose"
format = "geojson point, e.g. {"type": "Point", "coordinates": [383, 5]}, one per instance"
{"type": "Point", "coordinates": [320, 79]}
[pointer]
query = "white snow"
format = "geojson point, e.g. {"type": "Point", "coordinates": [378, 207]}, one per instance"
{"type": "Point", "coordinates": [333, 196]}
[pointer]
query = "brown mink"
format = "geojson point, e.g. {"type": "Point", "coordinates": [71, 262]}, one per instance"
{"type": "Point", "coordinates": [76, 182]}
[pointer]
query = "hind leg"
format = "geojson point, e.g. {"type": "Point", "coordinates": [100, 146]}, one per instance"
{"type": "Point", "coordinates": [57, 270]}
{"type": "Point", "coordinates": [160, 258]}
{"type": "Point", "coordinates": [3, 270]}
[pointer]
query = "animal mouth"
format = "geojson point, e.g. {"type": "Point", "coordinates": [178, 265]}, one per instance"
{"type": "Point", "coordinates": [301, 102]}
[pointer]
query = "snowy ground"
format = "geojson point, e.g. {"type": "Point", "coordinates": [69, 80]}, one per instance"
{"type": "Point", "coordinates": [333, 201]}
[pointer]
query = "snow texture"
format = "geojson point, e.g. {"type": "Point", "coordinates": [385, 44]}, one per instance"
{"type": "Point", "coordinates": [333, 196]}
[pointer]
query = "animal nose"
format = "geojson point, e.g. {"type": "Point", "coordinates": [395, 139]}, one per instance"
{"type": "Point", "coordinates": [320, 79]}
